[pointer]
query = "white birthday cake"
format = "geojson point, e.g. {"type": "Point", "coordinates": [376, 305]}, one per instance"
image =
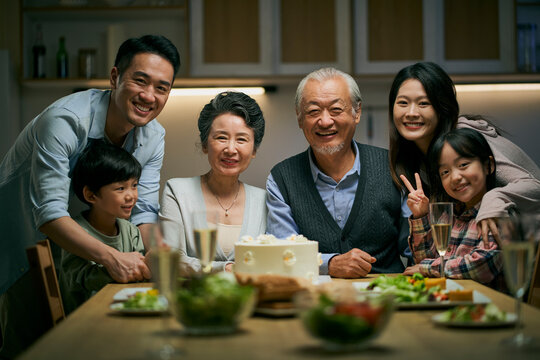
{"type": "Point", "coordinates": [295, 256]}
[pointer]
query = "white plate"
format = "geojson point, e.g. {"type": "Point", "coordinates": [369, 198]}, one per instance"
{"type": "Point", "coordinates": [276, 312]}
{"type": "Point", "coordinates": [119, 308]}
{"type": "Point", "coordinates": [322, 279]}
{"type": "Point", "coordinates": [125, 293]}
{"type": "Point", "coordinates": [478, 297]}
{"type": "Point", "coordinates": [510, 320]}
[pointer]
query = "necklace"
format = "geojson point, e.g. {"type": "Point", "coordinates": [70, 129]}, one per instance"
{"type": "Point", "coordinates": [219, 202]}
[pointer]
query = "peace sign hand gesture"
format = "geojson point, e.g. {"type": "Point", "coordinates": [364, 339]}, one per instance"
{"type": "Point", "coordinates": [417, 201]}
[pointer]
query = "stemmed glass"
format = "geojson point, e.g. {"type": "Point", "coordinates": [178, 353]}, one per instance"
{"type": "Point", "coordinates": [440, 218]}
{"type": "Point", "coordinates": [204, 225]}
{"type": "Point", "coordinates": [519, 235]}
{"type": "Point", "coordinates": [164, 264]}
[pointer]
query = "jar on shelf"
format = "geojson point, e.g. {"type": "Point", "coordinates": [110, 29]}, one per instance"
{"type": "Point", "coordinates": [87, 63]}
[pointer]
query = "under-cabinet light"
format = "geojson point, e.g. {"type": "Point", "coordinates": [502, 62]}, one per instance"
{"type": "Point", "coordinates": [212, 91]}
{"type": "Point", "coordinates": [496, 87]}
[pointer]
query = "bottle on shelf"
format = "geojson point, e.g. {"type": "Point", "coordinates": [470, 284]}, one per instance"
{"type": "Point", "coordinates": [62, 59]}
{"type": "Point", "coordinates": [38, 51]}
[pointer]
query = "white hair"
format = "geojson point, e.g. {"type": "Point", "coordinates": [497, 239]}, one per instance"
{"type": "Point", "coordinates": [327, 74]}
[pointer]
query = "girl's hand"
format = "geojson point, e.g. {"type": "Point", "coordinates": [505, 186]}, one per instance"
{"type": "Point", "coordinates": [417, 201]}
{"type": "Point", "coordinates": [411, 270]}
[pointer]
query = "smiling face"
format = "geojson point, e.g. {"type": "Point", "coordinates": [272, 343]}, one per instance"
{"type": "Point", "coordinates": [140, 93]}
{"type": "Point", "coordinates": [231, 145]}
{"type": "Point", "coordinates": [414, 116]}
{"type": "Point", "coordinates": [464, 179]}
{"type": "Point", "coordinates": [115, 200]}
{"type": "Point", "coordinates": [327, 117]}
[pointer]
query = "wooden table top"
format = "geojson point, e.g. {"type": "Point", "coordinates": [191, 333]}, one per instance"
{"type": "Point", "coordinates": [94, 332]}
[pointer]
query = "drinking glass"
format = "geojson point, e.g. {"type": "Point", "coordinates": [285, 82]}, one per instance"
{"type": "Point", "coordinates": [519, 236]}
{"type": "Point", "coordinates": [204, 225]}
{"type": "Point", "coordinates": [164, 264]}
{"type": "Point", "coordinates": [440, 218]}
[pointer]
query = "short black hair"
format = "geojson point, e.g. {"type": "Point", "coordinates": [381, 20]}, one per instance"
{"type": "Point", "coordinates": [153, 44]}
{"type": "Point", "coordinates": [467, 143]}
{"type": "Point", "coordinates": [102, 164]}
{"type": "Point", "coordinates": [236, 103]}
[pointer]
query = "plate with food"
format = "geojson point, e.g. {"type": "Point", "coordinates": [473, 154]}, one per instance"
{"type": "Point", "coordinates": [125, 293]}
{"type": "Point", "coordinates": [142, 303]}
{"type": "Point", "coordinates": [416, 291]}
{"type": "Point", "coordinates": [475, 316]}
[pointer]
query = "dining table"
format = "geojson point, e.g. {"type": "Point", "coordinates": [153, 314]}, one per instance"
{"type": "Point", "coordinates": [94, 331]}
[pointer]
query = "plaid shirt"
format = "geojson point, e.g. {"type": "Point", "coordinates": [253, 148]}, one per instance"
{"type": "Point", "coordinates": [466, 257]}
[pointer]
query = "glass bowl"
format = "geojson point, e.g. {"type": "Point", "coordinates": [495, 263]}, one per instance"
{"type": "Point", "coordinates": [344, 324]}
{"type": "Point", "coordinates": [213, 304]}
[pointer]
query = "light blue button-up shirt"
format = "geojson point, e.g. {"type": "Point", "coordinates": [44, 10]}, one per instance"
{"type": "Point", "coordinates": [35, 173]}
{"type": "Point", "coordinates": [337, 196]}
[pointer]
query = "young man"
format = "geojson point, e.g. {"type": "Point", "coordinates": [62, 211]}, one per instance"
{"type": "Point", "coordinates": [338, 192]}
{"type": "Point", "coordinates": [35, 174]}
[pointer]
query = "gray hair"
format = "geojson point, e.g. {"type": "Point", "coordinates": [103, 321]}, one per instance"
{"type": "Point", "coordinates": [327, 74]}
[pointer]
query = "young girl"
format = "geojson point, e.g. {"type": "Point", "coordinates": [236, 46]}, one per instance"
{"type": "Point", "coordinates": [462, 169]}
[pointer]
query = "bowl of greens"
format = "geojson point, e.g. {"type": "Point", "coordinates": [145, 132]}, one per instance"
{"type": "Point", "coordinates": [213, 304]}
{"type": "Point", "coordinates": [344, 324]}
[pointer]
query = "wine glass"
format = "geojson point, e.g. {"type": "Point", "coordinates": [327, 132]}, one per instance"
{"type": "Point", "coordinates": [440, 218]}
{"type": "Point", "coordinates": [164, 264]}
{"type": "Point", "coordinates": [519, 236]}
{"type": "Point", "coordinates": [204, 225]}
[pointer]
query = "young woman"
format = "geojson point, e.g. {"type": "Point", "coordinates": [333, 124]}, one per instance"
{"type": "Point", "coordinates": [462, 169]}
{"type": "Point", "coordinates": [422, 107]}
{"type": "Point", "coordinates": [231, 128]}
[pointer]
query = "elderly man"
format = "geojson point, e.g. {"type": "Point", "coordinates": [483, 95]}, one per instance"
{"type": "Point", "coordinates": [35, 177]}
{"type": "Point", "coordinates": [338, 192]}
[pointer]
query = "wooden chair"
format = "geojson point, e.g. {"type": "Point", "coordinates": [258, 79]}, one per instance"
{"type": "Point", "coordinates": [44, 273]}
{"type": "Point", "coordinates": [534, 290]}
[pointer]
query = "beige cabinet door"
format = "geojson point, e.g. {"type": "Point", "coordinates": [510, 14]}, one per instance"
{"type": "Point", "coordinates": [313, 34]}
{"type": "Point", "coordinates": [231, 37]}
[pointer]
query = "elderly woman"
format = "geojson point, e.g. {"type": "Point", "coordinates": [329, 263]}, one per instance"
{"type": "Point", "coordinates": [231, 128]}
{"type": "Point", "coordinates": [422, 108]}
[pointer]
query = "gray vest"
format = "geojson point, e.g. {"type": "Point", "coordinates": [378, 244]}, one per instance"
{"type": "Point", "coordinates": [374, 222]}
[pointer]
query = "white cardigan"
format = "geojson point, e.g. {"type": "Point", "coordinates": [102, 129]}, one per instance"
{"type": "Point", "coordinates": [183, 195]}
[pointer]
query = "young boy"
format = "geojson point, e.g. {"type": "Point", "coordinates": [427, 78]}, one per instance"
{"type": "Point", "coordinates": [105, 177]}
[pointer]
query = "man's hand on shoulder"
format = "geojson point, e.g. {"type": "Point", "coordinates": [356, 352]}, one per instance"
{"type": "Point", "coordinates": [353, 264]}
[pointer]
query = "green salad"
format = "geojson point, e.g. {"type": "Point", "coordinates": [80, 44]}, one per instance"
{"type": "Point", "coordinates": [474, 313]}
{"type": "Point", "coordinates": [343, 323]}
{"type": "Point", "coordinates": [213, 300]}
{"type": "Point", "coordinates": [148, 300]}
{"type": "Point", "coordinates": [407, 289]}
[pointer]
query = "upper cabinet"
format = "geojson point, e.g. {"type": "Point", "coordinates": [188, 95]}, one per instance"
{"type": "Point", "coordinates": [268, 37]}
{"type": "Point", "coordinates": [97, 27]}
{"type": "Point", "coordinates": [312, 34]}
{"type": "Point", "coordinates": [463, 36]}
{"type": "Point", "coordinates": [231, 37]}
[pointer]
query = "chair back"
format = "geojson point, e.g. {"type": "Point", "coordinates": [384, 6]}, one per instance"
{"type": "Point", "coordinates": [42, 266]}
{"type": "Point", "coordinates": [534, 290]}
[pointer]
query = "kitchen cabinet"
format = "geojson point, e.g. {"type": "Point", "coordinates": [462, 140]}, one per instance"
{"type": "Point", "coordinates": [463, 36]}
{"type": "Point", "coordinates": [268, 37]}
{"type": "Point", "coordinates": [98, 26]}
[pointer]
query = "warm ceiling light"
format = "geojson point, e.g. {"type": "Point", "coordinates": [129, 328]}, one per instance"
{"type": "Point", "coordinates": [213, 91]}
{"type": "Point", "coordinates": [496, 87]}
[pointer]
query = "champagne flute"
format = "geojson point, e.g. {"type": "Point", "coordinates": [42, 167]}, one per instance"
{"type": "Point", "coordinates": [204, 224]}
{"type": "Point", "coordinates": [164, 264]}
{"type": "Point", "coordinates": [440, 218]}
{"type": "Point", "coordinates": [519, 236]}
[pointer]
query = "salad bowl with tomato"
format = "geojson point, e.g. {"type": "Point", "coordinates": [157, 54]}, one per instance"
{"type": "Point", "coordinates": [344, 324]}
